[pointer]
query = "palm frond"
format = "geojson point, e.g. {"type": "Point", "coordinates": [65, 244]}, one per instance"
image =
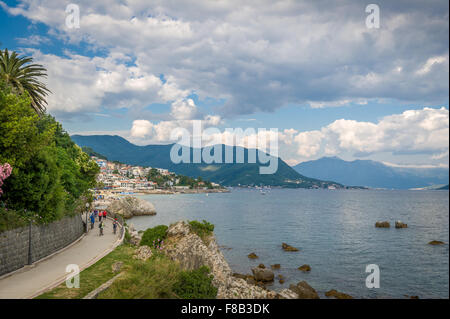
{"type": "Point", "coordinates": [23, 76]}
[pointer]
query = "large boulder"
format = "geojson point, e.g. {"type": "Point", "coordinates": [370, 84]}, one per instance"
{"type": "Point", "coordinates": [304, 291]}
{"type": "Point", "coordinates": [130, 206]}
{"type": "Point", "coordinates": [263, 274]}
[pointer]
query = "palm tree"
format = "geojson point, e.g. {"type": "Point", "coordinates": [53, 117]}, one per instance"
{"type": "Point", "coordinates": [22, 75]}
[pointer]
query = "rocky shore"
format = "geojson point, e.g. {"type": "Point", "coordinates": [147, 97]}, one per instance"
{"type": "Point", "coordinates": [187, 248]}
{"type": "Point", "coordinates": [127, 206]}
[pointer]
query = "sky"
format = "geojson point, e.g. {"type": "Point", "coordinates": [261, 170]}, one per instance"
{"type": "Point", "coordinates": [328, 81]}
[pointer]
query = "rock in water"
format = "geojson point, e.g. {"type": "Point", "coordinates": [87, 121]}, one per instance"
{"type": "Point", "coordinates": [252, 256]}
{"type": "Point", "coordinates": [399, 224]}
{"type": "Point", "coordinates": [130, 206]}
{"type": "Point", "coordinates": [304, 291]}
{"type": "Point", "coordinates": [338, 295]}
{"type": "Point", "coordinates": [276, 266]}
{"type": "Point", "coordinates": [436, 242]}
{"type": "Point", "coordinates": [305, 268]}
{"type": "Point", "coordinates": [263, 274]}
{"type": "Point", "coordinates": [287, 247]}
{"type": "Point", "coordinates": [384, 224]}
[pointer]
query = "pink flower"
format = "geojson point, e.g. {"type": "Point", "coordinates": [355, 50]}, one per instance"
{"type": "Point", "coordinates": [5, 172]}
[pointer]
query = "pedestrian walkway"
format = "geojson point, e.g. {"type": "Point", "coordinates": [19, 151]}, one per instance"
{"type": "Point", "coordinates": [34, 280]}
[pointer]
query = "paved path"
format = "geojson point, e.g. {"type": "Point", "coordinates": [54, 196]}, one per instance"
{"type": "Point", "coordinates": [31, 281]}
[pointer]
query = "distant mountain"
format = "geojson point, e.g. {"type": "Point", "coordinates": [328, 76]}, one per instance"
{"type": "Point", "coordinates": [372, 174]}
{"type": "Point", "coordinates": [443, 187]}
{"type": "Point", "coordinates": [116, 148]}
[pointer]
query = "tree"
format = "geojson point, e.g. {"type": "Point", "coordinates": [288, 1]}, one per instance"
{"type": "Point", "coordinates": [23, 76]}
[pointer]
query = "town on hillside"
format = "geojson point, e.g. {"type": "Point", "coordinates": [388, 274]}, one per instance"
{"type": "Point", "coordinates": [120, 177]}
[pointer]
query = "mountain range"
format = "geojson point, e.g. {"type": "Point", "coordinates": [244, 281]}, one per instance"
{"type": "Point", "coordinates": [372, 174]}
{"type": "Point", "coordinates": [116, 148]}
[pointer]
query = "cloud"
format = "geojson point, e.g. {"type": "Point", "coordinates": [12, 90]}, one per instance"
{"type": "Point", "coordinates": [411, 132]}
{"type": "Point", "coordinates": [258, 56]}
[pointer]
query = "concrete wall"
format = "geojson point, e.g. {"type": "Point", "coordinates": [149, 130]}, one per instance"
{"type": "Point", "coordinates": [45, 240]}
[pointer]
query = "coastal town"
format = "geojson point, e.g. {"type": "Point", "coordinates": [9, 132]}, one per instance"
{"type": "Point", "coordinates": [118, 177]}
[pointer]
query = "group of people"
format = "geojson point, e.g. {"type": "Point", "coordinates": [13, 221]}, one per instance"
{"type": "Point", "coordinates": [101, 215]}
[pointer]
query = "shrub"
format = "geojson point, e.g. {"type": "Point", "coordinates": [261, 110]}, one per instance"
{"type": "Point", "coordinates": [203, 229]}
{"type": "Point", "coordinates": [153, 235]}
{"type": "Point", "coordinates": [195, 284]}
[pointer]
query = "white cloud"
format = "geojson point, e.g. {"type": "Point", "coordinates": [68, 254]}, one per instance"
{"type": "Point", "coordinates": [262, 56]}
{"type": "Point", "coordinates": [414, 131]}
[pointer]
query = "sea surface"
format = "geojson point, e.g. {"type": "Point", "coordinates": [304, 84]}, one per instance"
{"type": "Point", "coordinates": [334, 230]}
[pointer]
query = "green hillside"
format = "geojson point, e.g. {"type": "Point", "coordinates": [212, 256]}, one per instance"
{"type": "Point", "coordinates": [116, 148]}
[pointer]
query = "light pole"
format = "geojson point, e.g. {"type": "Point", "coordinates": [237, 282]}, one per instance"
{"type": "Point", "coordinates": [87, 208]}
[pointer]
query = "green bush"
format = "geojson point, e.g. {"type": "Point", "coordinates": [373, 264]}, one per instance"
{"type": "Point", "coordinates": [153, 235]}
{"type": "Point", "coordinates": [195, 284]}
{"type": "Point", "coordinates": [203, 229]}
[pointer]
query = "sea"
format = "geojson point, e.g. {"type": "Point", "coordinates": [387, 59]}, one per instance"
{"type": "Point", "coordinates": [334, 231]}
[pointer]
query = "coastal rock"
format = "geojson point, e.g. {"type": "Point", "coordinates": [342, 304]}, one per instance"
{"type": "Point", "coordinates": [252, 256]}
{"type": "Point", "coordinates": [241, 276]}
{"type": "Point", "coordinates": [143, 253]}
{"type": "Point", "coordinates": [117, 266]}
{"type": "Point", "coordinates": [261, 266]}
{"type": "Point", "coordinates": [304, 291]}
{"type": "Point", "coordinates": [188, 249]}
{"type": "Point", "coordinates": [287, 294]}
{"type": "Point", "coordinates": [287, 247]}
{"type": "Point", "coordinates": [281, 281]}
{"type": "Point", "coordinates": [399, 224]}
{"type": "Point", "coordinates": [130, 206]}
{"type": "Point", "coordinates": [135, 236]}
{"type": "Point", "coordinates": [263, 274]}
{"type": "Point", "coordinates": [276, 266]}
{"type": "Point", "coordinates": [436, 242]}
{"type": "Point", "coordinates": [338, 295]}
{"type": "Point", "coordinates": [305, 268]}
{"type": "Point", "coordinates": [384, 224]}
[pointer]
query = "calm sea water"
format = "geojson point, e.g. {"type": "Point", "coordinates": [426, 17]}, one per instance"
{"type": "Point", "coordinates": [334, 231]}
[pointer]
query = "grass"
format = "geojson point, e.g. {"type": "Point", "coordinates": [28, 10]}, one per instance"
{"type": "Point", "coordinates": [151, 279]}
{"type": "Point", "coordinates": [202, 229]}
{"type": "Point", "coordinates": [156, 278]}
{"type": "Point", "coordinates": [93, 276]}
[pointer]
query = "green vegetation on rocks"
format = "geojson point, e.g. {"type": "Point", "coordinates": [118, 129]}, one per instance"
{"type": "Point", "coordinates": [203, 229]}
{"type": "Point", "coordinates": [195, 284]}
{"type": "Point", "coordinates": [153, 236]}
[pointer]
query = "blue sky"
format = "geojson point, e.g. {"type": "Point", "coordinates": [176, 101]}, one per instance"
{"type": "Point", "coordinates": [313, 70]}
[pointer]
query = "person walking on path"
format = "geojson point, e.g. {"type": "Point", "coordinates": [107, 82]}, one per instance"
{"type": "Point", "coordinates": [104, 214]}
{"type": "Point", "coordinates": [92, 217]}
{"type": "Point", "coordinates": [100, 215]}
{"type": "Point", "coordinates": [115, 225]}
{"type": "Point", "coordinates": [101, 226]}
